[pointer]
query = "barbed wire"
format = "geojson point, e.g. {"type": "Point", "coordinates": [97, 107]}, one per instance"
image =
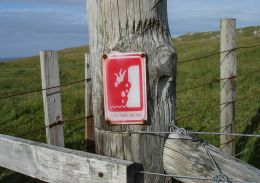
{"type": "Point", "coordinates": [40, 90]}
{"type": "Point", "coordinates": [89, 79]}
{"type": "Point", "coordinates": [59, 122]}
{"type": "Point", "coordinates": [214, 106]}
{"type": "Point", "coordinates": [216, 81]}
{"type": "Point", "coordinates": [224, 144]}
{"type": "Point", "coordinates": [217, 53]}
{"type": "Point", "coordinates": [206, 84]}
{"type": "Point", "coordinates": [247, 149]}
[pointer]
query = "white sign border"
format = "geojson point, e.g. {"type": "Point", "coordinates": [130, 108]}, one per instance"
{"type": "Point", "coordinates": [140, 120]}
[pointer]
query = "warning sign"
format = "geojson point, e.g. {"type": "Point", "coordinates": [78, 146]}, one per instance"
{"type": "Point", "coordinates": [124, 82]}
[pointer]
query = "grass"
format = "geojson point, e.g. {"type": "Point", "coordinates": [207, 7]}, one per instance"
{"type": "Point", "coordinates": [196, 73]}
{"type": "Point", "coordinates": [25, 113]}
{"type": "Point", "coordinates": [22, 114]}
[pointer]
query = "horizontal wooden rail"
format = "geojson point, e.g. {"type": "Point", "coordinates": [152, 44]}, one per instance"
{"type": "Point", "coordinates": [57, 164]}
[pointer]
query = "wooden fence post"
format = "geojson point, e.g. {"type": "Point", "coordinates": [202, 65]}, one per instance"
{"type": "Point", "coordinates": [128, 27]}
{"type": "Point", "coordinates": [51, 97]}
{"type": "Point", "coordinates": [89, 125]}
{"type": "Point", "coordinates": [228, 73]}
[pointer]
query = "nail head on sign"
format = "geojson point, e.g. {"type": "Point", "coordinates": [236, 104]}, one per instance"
{"type": "Point", "coordinates": [108, 122]}
{"type": "Point", "coordinates": [100, 174]}
{"type": "Point", "coordinates": [104, 56]}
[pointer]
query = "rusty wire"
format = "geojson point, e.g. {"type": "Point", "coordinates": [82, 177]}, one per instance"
{"type": "Point", "coordinates": [39, 90]}
{"type": "Point", "coordinates": [59, 122]}
{"type": "Point", "coordinates": [217, 53]}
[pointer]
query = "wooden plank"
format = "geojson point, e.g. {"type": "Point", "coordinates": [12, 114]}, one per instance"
{"type": "Point", "coordinates": [187, 158]}
{"type": "Point", "coordinates": [51, 97]}
{"type": "Point", "coordinates": [228, 86]}
{"type": "Point", "coordinates": [133, 26]}
{"type": "Point", "coordinates": [89, 125]}
{"type": "Point", "coordinates": [60, 165]}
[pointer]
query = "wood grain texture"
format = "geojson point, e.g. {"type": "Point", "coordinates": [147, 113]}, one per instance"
{"type": "Point", "coordinates": [134, 26]}
{"type": "Point", "coordinates": [228, 86]}
{"type": "Point", "coordinates": [51, 97]}
{"type": "Point", "coordinates": [89, 125]}
{"type": "Point", "coordinates": [60, 165]}
{"type": "Point", "coordinates": [187, 158]}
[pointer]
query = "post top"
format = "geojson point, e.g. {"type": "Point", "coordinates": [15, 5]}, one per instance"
{"type": "Point", "coordinates": [228, 19]}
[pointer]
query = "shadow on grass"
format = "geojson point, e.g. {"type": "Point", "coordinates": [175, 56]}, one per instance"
{"type": "Point", "coordinates": [250, 129]}
{"type": "Point", "coordinates": [255, 156]}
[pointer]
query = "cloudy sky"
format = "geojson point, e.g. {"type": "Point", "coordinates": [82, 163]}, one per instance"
{"type": "Point", "coordinates": [28, 26]}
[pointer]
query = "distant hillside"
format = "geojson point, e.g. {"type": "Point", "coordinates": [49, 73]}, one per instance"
{"type": "Point", "coordinates": [25, 113]}
{"type": "Point", "coordinates": [7, 59]}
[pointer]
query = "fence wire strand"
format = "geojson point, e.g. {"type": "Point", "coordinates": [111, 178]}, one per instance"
{"type": "Point", "coordinates": [214, 106]}
{"type": "Point", "coordinates": [40, 90]}
{"type": "Point", "coordinates": [216, 81]}
{"type": "Point", "coordinates": [195, 87]}
{"type": "Point", "coordinates": [54, 124]}
{"type": "Point", "coordinates": [217, 53]}
{"type": "Point", "coordinates": [174, 176]}
{"type": "Point", "coordinates": [247, 149]}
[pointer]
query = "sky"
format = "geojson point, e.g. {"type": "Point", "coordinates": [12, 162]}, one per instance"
{"type": "Point", "coordinates": [28, 26]}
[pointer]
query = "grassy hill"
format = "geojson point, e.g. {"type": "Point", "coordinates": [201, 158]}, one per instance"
{"type": "Point", "coordinates": [25, 113]}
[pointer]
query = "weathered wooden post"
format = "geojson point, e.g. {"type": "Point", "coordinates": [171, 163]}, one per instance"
{"type": "Point", "coordinates": [89, 124]}
{"type": "Point", "coordinates": [52, 97]}
{"type": "Point", "coordinates": [183, 156]}
{"type": "Point", "coordinates": [228, 72]}
{"type": "Point", "coordinates": [134, 26]}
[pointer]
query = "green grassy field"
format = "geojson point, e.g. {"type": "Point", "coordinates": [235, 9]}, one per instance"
{"type": "Point", "coordinates": [25, 113]}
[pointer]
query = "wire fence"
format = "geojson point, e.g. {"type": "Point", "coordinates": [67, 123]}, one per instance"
{"type": "Point", "coordinates": [214, 179]}
{"type": "Point", "coordinates": [217, 81]}
{"type": "Point", "coordinates": [62, 122]}
{"type": "Point", "coordinates": [217, 53]}
{"type": "Point", "coordinates": [40, 90]}
{"type": "Point", "coordinates": [59, 122]}
{"type": "Point", "coordinates": [184, 61]}
{"type": "Point", "coordinates": [179, 91]}
{"type": "Point", "coordinates": [217, 105]}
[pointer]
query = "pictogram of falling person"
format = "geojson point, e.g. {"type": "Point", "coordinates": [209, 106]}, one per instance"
{"type": "Point", "coordinates": [122, 86]}
{"type": "Point", "coordinates": [127, 88]}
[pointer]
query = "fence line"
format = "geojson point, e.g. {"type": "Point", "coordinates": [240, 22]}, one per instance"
{"type": "Point", "coordinates": [206, 84]}
{"type": "Point", "coordinates": [216, 81]}
{"type": "Point", "coordinates": [247, 149]}
{"type": "Point", "coordinates": [212, 107]}
{"type": "Point", "coordinates": [195, 133]}
{"type": "Point", "coordinates": [217, 53]}
{"type": "Point", "coordinates": [193, 177]}
{"type": "Point", "coordinates": [137, 132]}
{"type": "Point", "coordinates": [183, 132]}
{"type": "Point", "coordinates": [175, 176]}
{"type": "Point", "coordinates": [89, 79]}
{"type": "Point", "coordinates": [59, 122]}
{"type": "Point", "coordinates": [40, 90]}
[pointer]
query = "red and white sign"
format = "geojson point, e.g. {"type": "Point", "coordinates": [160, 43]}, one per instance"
{"type": "Point", "coordinates": [124, 82]}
